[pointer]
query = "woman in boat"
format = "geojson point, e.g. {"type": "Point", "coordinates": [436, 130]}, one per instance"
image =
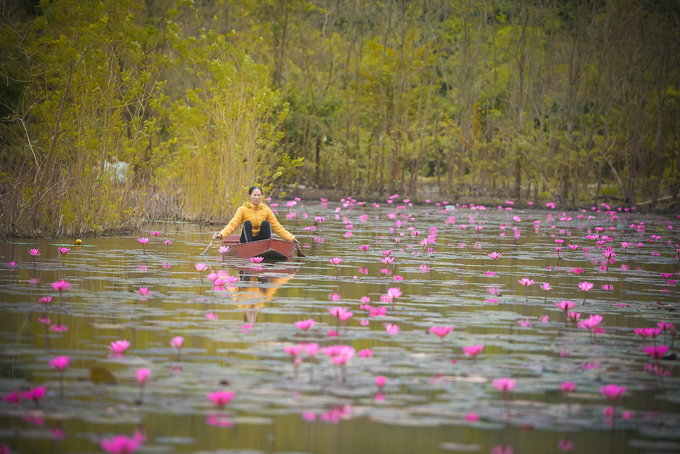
{"type": "Point", "coordinates": [257, 219]}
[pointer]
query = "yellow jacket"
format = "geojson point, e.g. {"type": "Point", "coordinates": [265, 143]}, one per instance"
{"type": "Point", "coordinates": [256, 214]}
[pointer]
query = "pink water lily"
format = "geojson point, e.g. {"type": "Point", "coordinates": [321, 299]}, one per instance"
{"type": "Point", "coordinates": [472, 417]}
{"type": "Point", "coordinates": [35, 394]}
{"type": "Point", "coordinates": [568, 387]}
{"type": "Point", "coordinates": [221, 398]}
{"type": "Point", "coordinates": [494, 256]}
{"type": "Point", "coordinates": [365, 353]}
{"type": "Point", "coordinates": [387, 260]}
{"type": "Point", "coordinates": [379, 311]}
{"type": "Point", "coordinates": [337, 311]}
{"type": "Point", "coordinates": [35, 253]}
{"type": "Point", "coordinates": [119, 346]}
{"type": "Point", "coordinates": [647, 332]}
{"type": "Point", "coordinates": [336, 261]}
{"type": "Point", "coordinates": [143, 242]}
{"type": "Point", "coordinates": [60, 363]}
{"type": "Point", "coordinates": [346, 316]}
{"type": "Point", "coordinates": [585, 286]}
{"type": "Point", "coordinates": [441, 331]}
{"type": "Point", "coordinates": [294, 350]}
{"type": "Point", "coordinates": [12, 398]}
{"type": "Point", "coordinates": [656, 352]}
{"type": "Point", "coordinates": [380, 381]}
{"type": "Point", "coordinates": [60, 286]}
{"type": "Point", "coordinates": [120, 444]}
{"type": "Point", "coordinates": [143, 291]}
{"type": "Point", "coordinates": [591, 322]}
{"type": "Point", "coordinates": [525, 282]}
{"type": "Point", "coordinates": [230, 279]}
{"type": "Point", "coordinates": [392, 329]}
{"type": "Point", "coordinates": [335, 350]}
{"type": "Point", "coordinates": [63, 250]}
{"type": "Point", "coordinates": [219, 283]}
{"type": "Point", "coordinates": [612, 391]}
{"type": "Point", "coordinates": [663, 326]}
{"type": "Point", "coordinates": [143, 375]}
{"type": "Point", "coordinates": [473, 350]}
{"type": "Point", "coordinates": [45, 300]}
{"type": "Point", "coordinates": [504, 384]}
{"type": "Point", "coordinates": [305, 324]}
{"type": "Point", "coordinates": [59, 328]}
{"type": "Point", "coordinates": [565, 305]}
{"type": "Point", "coordinates": [344, 357]}
{"type": "Point", "coordinates": [312, 349]}
{"type": "Point", "coordinates": [177, 342]}
{"type": "Point", "coordinates": [545, 287]}
{"type": "Point", "coordinates": [394, 292]}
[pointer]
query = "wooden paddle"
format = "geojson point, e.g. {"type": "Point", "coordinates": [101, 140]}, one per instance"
{"type": "Point", "coordinates": [209, 246]}
{"type": "Point", "coordinates": [299, 252]}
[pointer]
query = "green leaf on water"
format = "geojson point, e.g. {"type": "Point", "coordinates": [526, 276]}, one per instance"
{"type": "Point", "coordinates": [101, 375]}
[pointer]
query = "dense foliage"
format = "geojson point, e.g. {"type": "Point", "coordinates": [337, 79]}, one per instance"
{"type": "Point", "coordinates": [190, 101]}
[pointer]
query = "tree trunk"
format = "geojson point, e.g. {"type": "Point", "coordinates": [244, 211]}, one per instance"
{"type": "Point", "coordinates": [317, 165]}
{"type": "Point", "coordinates": [47, 173]}
{"type": "Point", "coordinates": [520, 104]}
{"type": "Point", "coordinates": [658, 144]}
{"type": "Point", "coordinates": [437, 152]}
{"type": "Point", "coordinates": [280, 43]}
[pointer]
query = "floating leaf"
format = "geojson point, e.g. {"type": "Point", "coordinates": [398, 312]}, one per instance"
{"type": "Point", "coordinates": [101, 375]}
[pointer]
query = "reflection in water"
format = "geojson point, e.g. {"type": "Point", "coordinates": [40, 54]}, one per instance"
{"type": "Point", "coordinates": [258, 286]}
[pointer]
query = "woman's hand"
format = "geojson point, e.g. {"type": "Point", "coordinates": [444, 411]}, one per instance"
{"type": "Point", "coordinates": [217, 236]}
{"type": "Point", "coordinates": [297, 242]}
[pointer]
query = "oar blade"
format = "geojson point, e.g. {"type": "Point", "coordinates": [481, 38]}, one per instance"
{"type": "Point", "coordinates": [208, 248]}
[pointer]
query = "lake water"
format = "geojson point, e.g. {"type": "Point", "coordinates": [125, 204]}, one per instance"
{"type": "Point", "coordinates": [431, 386]}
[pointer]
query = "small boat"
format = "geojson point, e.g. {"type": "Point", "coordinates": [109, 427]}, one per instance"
{"type": "Point", "coordinates": [271, 249]}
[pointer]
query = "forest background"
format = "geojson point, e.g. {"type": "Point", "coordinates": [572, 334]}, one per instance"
{"type": "Point", "coordinates": [117, 111]}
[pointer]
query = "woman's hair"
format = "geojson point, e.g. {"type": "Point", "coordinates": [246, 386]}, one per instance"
{"type": "Point", "coordinates": [252, 188]}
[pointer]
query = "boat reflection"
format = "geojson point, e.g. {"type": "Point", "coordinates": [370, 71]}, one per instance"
{"type": "Point", "coordinates": [258, 286]}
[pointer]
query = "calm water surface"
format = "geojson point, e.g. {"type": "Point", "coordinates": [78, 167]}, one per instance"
{"type": "Point", "coordinates": [431, 386]}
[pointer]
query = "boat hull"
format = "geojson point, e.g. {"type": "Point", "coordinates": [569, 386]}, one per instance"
{"type": "Point", "coordinates": [271, 249]}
